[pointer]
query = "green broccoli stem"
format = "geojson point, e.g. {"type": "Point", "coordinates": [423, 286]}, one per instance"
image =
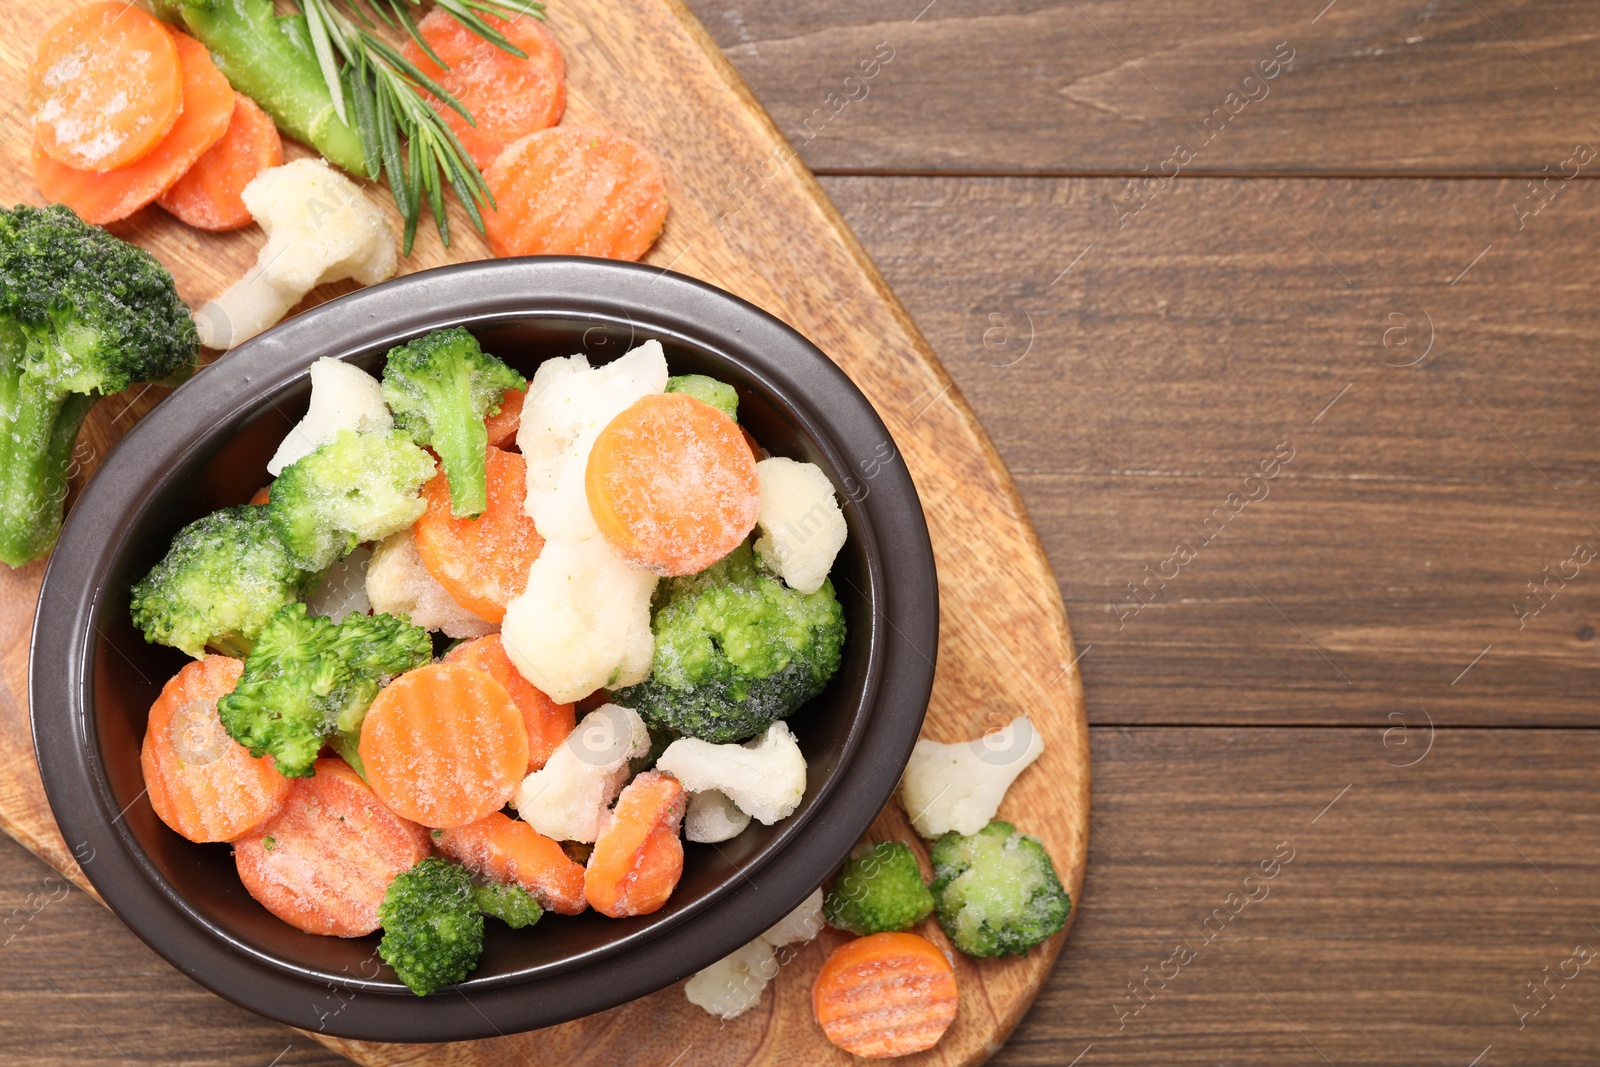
{"type": "Point", "coordinates": [38, 429]}
{"type": "Point", "coordinates": [461, 439]}
{"type": "Point", "coordinates": [346, 743]}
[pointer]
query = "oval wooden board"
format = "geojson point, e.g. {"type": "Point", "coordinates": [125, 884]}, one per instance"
{"type": "Point", "coordinates": [746, 216]}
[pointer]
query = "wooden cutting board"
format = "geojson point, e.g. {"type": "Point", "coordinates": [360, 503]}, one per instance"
{"type": "Point", "coordinates": [747, 216]}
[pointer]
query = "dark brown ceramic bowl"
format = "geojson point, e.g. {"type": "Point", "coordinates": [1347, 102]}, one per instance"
{"type": "Point", "coordinates": [93, 677]}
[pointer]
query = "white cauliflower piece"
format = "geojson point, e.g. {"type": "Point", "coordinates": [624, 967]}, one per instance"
{"type": "Point", "coordinates": [568, 403]}
{"type": "Point", "coordinates": [802, 528]}
{"type": "Point", "coordinates": [399, 584]}
{"type": "Point", "coordinates": [343, 397]}
{"type": "Point", "coordinates": [734, 984]}
{"type": "Point", "coordinates": [959, 787]}
{"type": "Point", "coordinates": [320, 228]}
{"type": "Point", "coordinates": [766, 777]}
{"type": "Point", "coordinates": [568, 798]}
{"type": "Point", "coordinates": [712, 818]}
{"type": "Point", "coordinates": [801, 924]}
{"type": "Point", "coordinates": [343, 589]}
{"type": "Point", "coordinates": [583, 621]}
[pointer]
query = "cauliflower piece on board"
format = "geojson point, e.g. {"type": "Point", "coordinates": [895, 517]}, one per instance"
{"type": "Point", "coordinates": [712, 817]}
{"type": "Point", "coordinates": [734, 984]}
{"type": "Point", "coordinates": [569, 797]}
{"type": "Point", "coordinates": [801, 526]}
{"type": "Point", "coordinates": [320, 228]}
{"type": "Point", "coordinates": [399, 584]}
{"type": "Point", "coordinates": [801, 924]}
{"type": "Point", "coordinates": [959, 787]}
{"type": "Point", "coordinates": [343, 397]}
{"type": "Point", "coordinates": [765, 777]}
{"type": "Point", "coordinates": [343, 590]}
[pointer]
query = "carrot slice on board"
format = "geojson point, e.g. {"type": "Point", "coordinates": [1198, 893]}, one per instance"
{"type": "Point", "coordinates": [207, 197]}
{"type": "Point", "coordinates": [444, 745]}
{"type": "Point", "coordinates": [482, 562]}
{"type": "Point", "coordinates": [203, 783]}
{"type": "Point", "coordinates": [508, 97]}
{"type": "Point", "coordinates": [504, 849]}
{"type": "Point", "coordinates": [574, 191]}
{"type": "Point", "coordinates": [503, 424]}
{"type": "Point", "coordinates": [105, 87]}
{"type": "Point", "coordinates": [547, 722]}
{"type": "Point", "coordinates": [672, 484]}
{"type": "Point", "coordinates": [115, 194]}
{"type": "Point", "coordinates": [323, 863]}
{"type": "Point", "coordinates": [885, 995]}
{"type": "Point", "coordinates": [638, 858]}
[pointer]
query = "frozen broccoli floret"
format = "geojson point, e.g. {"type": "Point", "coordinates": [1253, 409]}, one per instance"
{"type": "Point", "coordinates": [735, 651]}
{"type": "Point", "coordinates": [357, 487]}
{"type": "Point", "coordinates": [440, 387]}
{"type": "Point", "coordinates": [432, 926]}
{"type": "Point", "coordinates": [218, 584]}
{"type": "Point", "coordinates": [996, 892]}
{"type": "Point", "coordinates": [880, 890]}
{"type": "Point", "coordinates": [707, 389]}
{"type": "Point", "coordinates": [511, 904]}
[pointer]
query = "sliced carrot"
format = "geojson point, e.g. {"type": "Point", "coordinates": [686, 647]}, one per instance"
{"type": "Point", "coordinates": [672, 484]}
{"type": "Point", "coordinates": [574, 191]}
{"type": "Point", "coordinates": [503, 424]}
{"type": "Point", "coordinates": [444, 745]}
{"type": "Point", "coordinates": [105, 87]}
{"type": "Point", "coordinates": [508, 97]}
{"type": "Point", "coordinates": [115, 194]}
{"type": "Point", "coordinates": [504, 849]}
{"type": "Point", "coordinates": [262, 495]}
{"type": "Point", "coordinates": [202, 782]}
{"type": "Point", "coordinates": [324, 862]}
{"type": "Point", "coordinates": [885, 995]}
{"type": "Point", "coordinates": [638, 858]}
{"type": "Point", "coordinates": [208, 196]}
{"type": "Point", "coordinates": [483, 562]}
{"type": "Point", "coordinates": [547, 722]}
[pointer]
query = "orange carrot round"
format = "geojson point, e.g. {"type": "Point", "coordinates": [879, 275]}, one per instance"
{"type": "Point", "coordinates": [638, 858]}
{"type": "Point", "coordinates": [208, 196]}
{"type": "Point", "coordinates": [578, 192]}
{"type": "Point", "coordinates": [323, 863]}
{"type": "Point", "coordinates": [504, 849]}
{"type": "Point", "coordinates": [885, 995]}
{"type": "Point", "coordinates": [117, 193]}
{"type": "Point", "coordinates": [444, 745]}
{"type": "Point", "coordinates": [547, 722]}
{"type": "Point", "coordinates": [483, 562]}
{"type": "Point", "coordinates": [105, 87]}
{"type": "Point", "coordinates": [672, 484]}
{"type": "Point", "coordinates": [508, 97]}
{"type": "Point", "coordinates": [503, 424]}
{"type": "Point", "coordinates": [202, 782]}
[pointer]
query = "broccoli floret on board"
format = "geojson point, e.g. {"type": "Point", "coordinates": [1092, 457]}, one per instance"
{"type": "Point", "coordinates": [996, 892]}
{"type": "Point", "coordinates": [880, 890]}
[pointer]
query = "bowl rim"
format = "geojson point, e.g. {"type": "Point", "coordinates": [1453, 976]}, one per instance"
{"type": "Point", "coordinates": [808, 387]}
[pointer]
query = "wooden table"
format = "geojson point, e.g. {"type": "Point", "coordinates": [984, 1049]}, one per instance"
{"type": "Point", "coordinates": [1368, 669]}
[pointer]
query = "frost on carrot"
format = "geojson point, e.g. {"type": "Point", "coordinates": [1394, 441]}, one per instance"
{"type": "Point", "coordinates": [548, 722]}
{"type": "Point", "coordinates": [482, 562]}
{"type": "Point", "coordinates": [506, 850]}
{"type": "Point", "coordinates": [209, 196]}
{"type": "Point", "coordinates": [885, 995]}
{"type": "Point", "coordinates": [638, 858]}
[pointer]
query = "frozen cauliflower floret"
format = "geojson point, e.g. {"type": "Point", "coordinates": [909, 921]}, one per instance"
{"type": "Point", "coordinates": [802, 528]}
{"type": "Point", "coordinates": [801, 924]}
{"type": "Point", "coordinates": [343, 590]}
{"type": "Point", "coordinates": [568, 798]}
{"type": "Point", "coordinates": [320, 228]}
{"type": "Point", "coordinates": [734, 984]}
{"type": "Point", "coordinates": [399, 584]}
{"type": "Point", "coordinates": [583, 621]}
{"type": "Point", "coordinates": [765, 777]}
{"type": "Point", "coordinates": [712, 817]}
{"type": "Point", "coordinates": [959, 787]}
{"type": "Point", "coordinates": [343, 397]}
{"type": "Point", "coordinates": [568, 404]}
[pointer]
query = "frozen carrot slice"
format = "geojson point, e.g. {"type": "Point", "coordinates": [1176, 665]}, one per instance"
{"type": "Point", "coordinates": [504, 849]}
{"type": "Point", "coordinates": [483, 562]}
{"type": "Point", "coordinates": [323, 863]}
{"type": "Point", "coordinates": [209, 195]}
{"type": "Point", "coordinates": [672, 484]}
{"type": "Point", "coordinates": [262, 495]}
{"type": "Point", "coordinates": [548, 723]}
{"type": "Point", "coordinates": [508, 97]}
{"type": "Point", "coordinates": [444, 745]}
{"type": "Point", "coordinates": [117, 193]}
{"type": "Point", "coordinates": [202, 782]}
{"type": "Point", "coordinates": [575, 192]}
{"type": "Point", "coordinates": [885, 995]}
{"type": "Point", "coordinates": [638, 858]}
{"type": "Point", "coordinates": [105, 88]}
{"type": "Point", "coordinates": [503, 424]}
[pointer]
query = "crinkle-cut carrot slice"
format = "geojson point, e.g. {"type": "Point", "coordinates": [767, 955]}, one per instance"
{"type": "Point", "coordinates": [209, 196]}
{"type": "Point", "coordinates": [482, 562]}
{"type": "Point", "coordinates": [508, 850]}
{"type": "Point", "coordinates": [638, 858]}
{"type": "Point", "coordinates": [548, 722]}
{"type": "Point", "coordinates": [885, 995]}
{"type": "Point", "coordinates": [503, 424]}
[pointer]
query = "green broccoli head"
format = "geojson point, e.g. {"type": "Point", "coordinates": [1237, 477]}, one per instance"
{"type": "Point", "coordinates": [707, 389]}
{"type": "Point", "coordinates": [996, 892]}
{"type": "Point", "coordinates": [511, 904]}
{"type": "Point", "coordinates": [735, 651]}
{"type": "Point", "coordinates": [880, 890]}
{"type": "Point", "coordinates": [357, 487]}
{"type": "Point", "coordinates": [218, 584]}
{"type": "Point", "coordinates": [441, 387]}
{"type": "Point", "coordinates": [432, 928]}
{"type": "Point", "coordinates": [82, 315]}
